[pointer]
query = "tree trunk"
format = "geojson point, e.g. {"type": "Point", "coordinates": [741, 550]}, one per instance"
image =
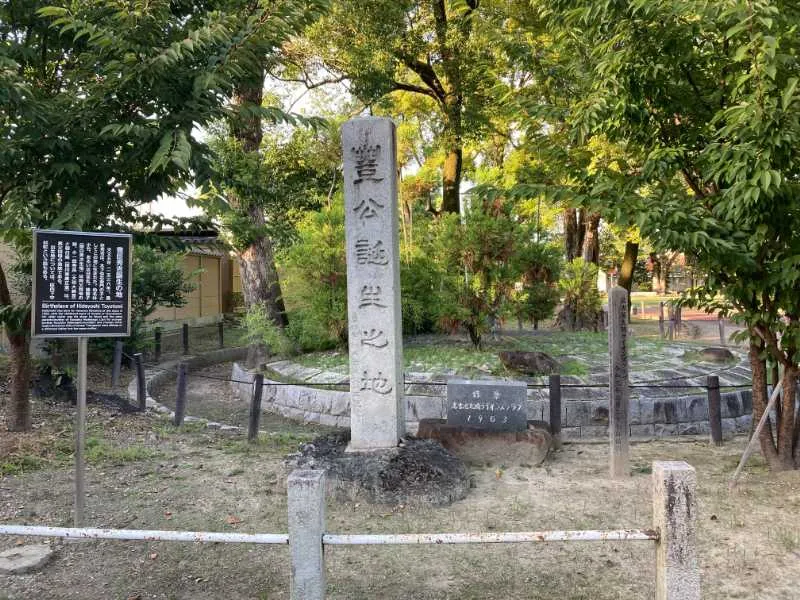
{"type": "Point", "coordinates": [786, 423]}
{"type": "Point", "coordinates": [20, 409]}
{"type": "Point", "coordinates": [20, 383]}
{"type": "Point", "coordinates": [260, 282]}
{"type": "Point", "coordinates": [659, 283]}
{"type": "Point", "coordinates": [625, 279]}
{"type": "Point", "coordinates": [760, 400]}
{"type": "Point", "coordinates": [451, 180]}
{"type": "Point", "coordinates": [590, 249]}
{"type": "Point", "coordinates": [572, 238]}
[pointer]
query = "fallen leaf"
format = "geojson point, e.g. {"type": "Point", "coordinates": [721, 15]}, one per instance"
{"type": "Point", "coordinates": [167, 515]}
{"type": "Point", "coordinates": [154, 556]}
{"type": "Point", "coordinates": [233, 520]}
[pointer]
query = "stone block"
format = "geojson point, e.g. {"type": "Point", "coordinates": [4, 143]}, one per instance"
{"type": "Point", "coordinates": [746, 396]}
{"type": "Point", "coordinates": [664, 411]}
{"type": "Point", "coordinates": [24, 559]}
{"type": "Point", "coordinates": [425, 407]}
{"type": "Point", "coordinates": [340, 404]}
{"type": "Point", "coordinates": [570, 433]}
{"type": "Point", "coordinates": [538, 410]}
{"type": "Point", "coordinates": [697, 428]}
{"type": "Point", "coordinates": [599, 413]}
{"type": "Point", "coordinates": [743, 423]}
{"type": "Point", "coordinates": [642, 431]}
{"type": "Point", "coordinates": [696, 409]}
{"type": "Point", "coordinates": [575, 414]}
{"type": "Point", "coordinates": [594, 432]}
{"type": "Point", "coordinates": [635, 411]}
{"type": "Point", "coordinates": [731, 405]}
{"type": "Point", "coordinates": [729, 426]}
{"type": "Point", "coordinates": [665, 429]}
{"type": "Point", "coordinates": [646, 411]}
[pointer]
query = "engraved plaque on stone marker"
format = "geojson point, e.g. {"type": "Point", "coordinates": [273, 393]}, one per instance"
{"type": "Point", "coordinates": [488, 405]}
{"type": "Point", "coordinates": [377, 418]}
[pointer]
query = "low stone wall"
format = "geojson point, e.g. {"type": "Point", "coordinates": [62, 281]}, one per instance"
{"type": "Point", "coordinates": [649, 417]}
{"type": "Point", "coordinates": [155, 378]}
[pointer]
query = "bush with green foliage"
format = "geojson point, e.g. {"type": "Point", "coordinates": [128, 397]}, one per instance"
{"type": "Point", "coordinates": [582, 304]}
{"type": "Point", "coordinates": [314, 276]}
{"type": "Point", "coordinates": [480, 265]}
{"type": "Point", "coordinates": [536, 295]}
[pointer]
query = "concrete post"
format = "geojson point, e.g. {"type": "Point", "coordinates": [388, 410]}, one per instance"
{"type": "Point", "coordinates": [721, 325]}
{"type": "Point", "coordinates": [618, 392]}
{"type": "Point", "coordinates": [674, 518]}
{"type": "Point", "coordinates": [306, 503]}
{"type": "Point", "coordinates": [377, 413]}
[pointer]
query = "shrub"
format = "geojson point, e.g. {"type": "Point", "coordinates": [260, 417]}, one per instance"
{"type": "Point", "coordinates": [582, 305]}
{"type": "Point", "coordinates": [315, 280]}
{"type": "Point", "coordinates": [479, 266]}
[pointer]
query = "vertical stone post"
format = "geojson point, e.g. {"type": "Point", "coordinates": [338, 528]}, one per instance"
{"type": "Point", "coordinates": [661, 318]}
{"type": "Point", "coordinates": [618, 391]}
{"type": "Point", "coordinates": [674, 518]}
{"type": "Point", "coordinates": [306, 503]}
{"type": "Point", "coordinates": [377, 408]}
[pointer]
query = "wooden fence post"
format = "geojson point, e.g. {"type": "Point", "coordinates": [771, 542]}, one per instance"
{"type": "Point", "coordinates": [180, 396]}
{"type": "Point", "coordinates": [674, 518]}
{"type": "Point", "coordinates": [255, 407]}
{"type": "Point", "coordinates": [306, 503]}
{"type": "Point", "coordinates": [141, 388]}
{"type": "Point", "coordinates": [714, 409]}
{"type": "Point", "coordinates": [555, 409]}
{"type": "Point", "coordinates": [661, 319]}
{"type": "Point", "coordinates": [185, 336]}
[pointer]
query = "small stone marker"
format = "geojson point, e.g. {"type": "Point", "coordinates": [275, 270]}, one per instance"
{"type": "Point", "coordinates": [24, 559]}
{"type": "Point", "coordinates": [377, 408]}
{"type": "Point", "coordinates": [675, 518]}
{"type": "Point", "coordinates": [487, 405]}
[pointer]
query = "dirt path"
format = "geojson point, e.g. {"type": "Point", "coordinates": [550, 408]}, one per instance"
{"type": "Point", "coordinates": [155, 477]}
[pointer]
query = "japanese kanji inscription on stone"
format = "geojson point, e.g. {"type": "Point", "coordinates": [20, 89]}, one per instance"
{"type": "Point", "coordinates": [377, 418]}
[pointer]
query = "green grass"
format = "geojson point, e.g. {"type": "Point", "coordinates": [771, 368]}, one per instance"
{"type": "Point", "coordinates": [99, 451]}
{"type": "Point", "coordinates": [576, 351]}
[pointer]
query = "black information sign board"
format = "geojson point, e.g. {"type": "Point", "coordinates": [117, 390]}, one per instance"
{"type": "Point", "coordinates": [490, 405]}
{"type": "Point", "coordinates": [81, 284]}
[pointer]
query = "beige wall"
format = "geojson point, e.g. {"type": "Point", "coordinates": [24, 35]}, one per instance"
{"type": "Point", "coordinates": [206, 300]}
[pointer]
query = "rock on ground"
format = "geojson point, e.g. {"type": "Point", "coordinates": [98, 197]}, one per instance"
{"type": "Point", "coordinates": [529, 363]}
{"type": "Point", "coordinates": [24, 559]}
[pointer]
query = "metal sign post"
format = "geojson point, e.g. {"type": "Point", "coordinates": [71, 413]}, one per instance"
{"type": "Point", "coordinates": [81, 289]}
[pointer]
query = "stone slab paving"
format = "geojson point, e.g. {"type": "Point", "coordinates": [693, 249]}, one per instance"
{"type": "Point", "coordinates": [24, 559]}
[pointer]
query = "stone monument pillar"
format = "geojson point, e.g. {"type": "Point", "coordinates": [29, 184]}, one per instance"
{"type": "Point", "coordinates": [377, 407]}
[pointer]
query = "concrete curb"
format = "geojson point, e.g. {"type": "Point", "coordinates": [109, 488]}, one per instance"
{"type": "Point", "coordinates": [156, 377]}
